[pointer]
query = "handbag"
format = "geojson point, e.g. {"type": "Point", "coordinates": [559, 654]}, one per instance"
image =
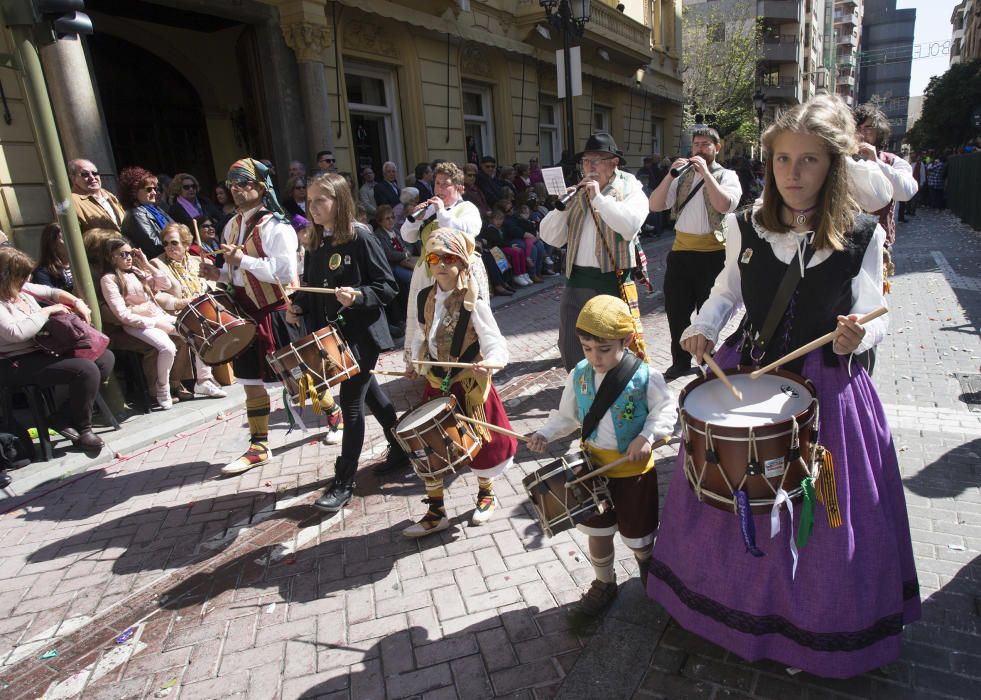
{"type": "Point", "coordinates": [67, 335]}
{"type": "Point", "coordinates": [628, 292]}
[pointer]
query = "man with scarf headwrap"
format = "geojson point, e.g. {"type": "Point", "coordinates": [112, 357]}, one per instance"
{"type": "Point", "coordinates": [259, 249]}
{"type": "Point", "coordinates": [608, 198]}
{"type": "Point", "coordinates": [455, 325]}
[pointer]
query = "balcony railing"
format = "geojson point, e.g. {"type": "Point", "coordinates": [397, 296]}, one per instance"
{"type": "Point", "coordinates": [782, 49]}
{"type": "Point", "coordinates": [782, 89]}
{"type": "Point", "coordinates": [779, 9]}
{"type": "Point", "coordinates": [847, 40]}
{"type": "Point", "coordinates": [848, 18]}
{"type": "Point", "coordinates": [847, 61]}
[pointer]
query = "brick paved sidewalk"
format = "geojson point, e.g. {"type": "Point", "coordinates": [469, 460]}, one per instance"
{"type": "Point", "coordinates": [153, 577]}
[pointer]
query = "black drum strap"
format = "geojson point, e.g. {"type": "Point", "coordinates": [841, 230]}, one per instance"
{"type": "Point", "coordinates": [613, 385]}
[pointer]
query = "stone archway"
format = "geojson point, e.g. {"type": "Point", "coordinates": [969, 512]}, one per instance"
{"type": "Point", "coordinates": [153, 113]}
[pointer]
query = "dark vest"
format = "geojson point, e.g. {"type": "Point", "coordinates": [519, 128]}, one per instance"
{"type": "Point", "coordinates": [824, 293]}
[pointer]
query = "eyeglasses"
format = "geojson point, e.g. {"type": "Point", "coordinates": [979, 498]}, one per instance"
{"type": "Point", "coordinates": [171, 244]}
{"type": "Point", "coordinates": [446, 258]}
{"type": "Point", "coordinates": [241, 184]}
{"type": "Point", "coordinates": [150, 189]}
{"type": "Point", "coordinates": [89, 173]}
{"type": "Point", "coordinates": [189, 187]}
{"type": "Point", "coordinates": [299, 187]}
{"type": "Point", "coordinates": [211, 226]}
{"type": "Point", "coordinates": [589, 162]}
{"type": "Point", "coordinates": [327, 160]}
{"type": "Point", "coordinates": [124, 254]}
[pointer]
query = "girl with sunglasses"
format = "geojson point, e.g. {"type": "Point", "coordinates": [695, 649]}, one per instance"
{"type": "Point", "coordinates": [456, 325]}
{"type": "Point", "coordinates": [128, 289]}
{"type": "Point", "coordinates": [344, 255]}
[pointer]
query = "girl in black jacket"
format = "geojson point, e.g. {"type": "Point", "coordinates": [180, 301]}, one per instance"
{"type": "Point", "coordinates": [344, 255]}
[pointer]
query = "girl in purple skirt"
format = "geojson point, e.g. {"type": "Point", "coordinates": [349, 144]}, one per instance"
{"type": "Point", "coordinates": [840, 609]}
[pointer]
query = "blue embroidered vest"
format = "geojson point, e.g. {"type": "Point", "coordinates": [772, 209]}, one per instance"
{"type": "Point", "coordinates": [628, 412]}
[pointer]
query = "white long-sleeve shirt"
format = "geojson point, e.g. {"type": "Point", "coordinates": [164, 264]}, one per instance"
{"type": "Point", "coordinates": [462, 215]}
{"type": "Point", "coordinates": [492, 344]}
{"type": "Point", "coordinates": [726, 297]}
{"type": "Point", "coordinates": [662, 412]}
{"type": "Point", "coordinates": [900, 176]}
{"type": "Point", "coordinates": [625, 217]}
{"type": "Point", "coordinates": [279, 243]}
{"type": "Point", "coordinates": [870, 188]}
{"type": "Point", "coordinates": [694, 217]}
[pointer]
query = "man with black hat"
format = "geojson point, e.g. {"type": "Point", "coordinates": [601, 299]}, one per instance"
{"type": "Point", "coordinates": [600, 226]}
{"type": "Point", "coordinates": [698, 254]}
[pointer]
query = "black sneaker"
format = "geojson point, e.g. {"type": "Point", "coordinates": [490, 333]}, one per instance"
{"type": "Point", "coordinates": [335, 497]}
{"type": "Point", "coordinates": [395, 459]}
{"type": "Point", "coordinates": [675, 371]}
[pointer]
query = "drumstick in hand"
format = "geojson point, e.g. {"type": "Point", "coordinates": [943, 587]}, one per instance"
{"type": "Point", "coordinates": [714, 366]}
{"type": "Point", "coordinates": [814, 344]}
{"type": "Point", "coordinates": [434, 363]}
{"type": "Point", "coordinates": [615, 463]}
{"type": "Point", "coordinates": [387, 373]}
{"type": "Point", "coordinates": [495, 428]}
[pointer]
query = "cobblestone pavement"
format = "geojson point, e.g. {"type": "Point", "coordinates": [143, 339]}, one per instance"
{"type": "Point", "coordinates": [155, 577]}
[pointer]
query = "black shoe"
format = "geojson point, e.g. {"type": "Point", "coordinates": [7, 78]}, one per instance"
{"type": "Point", "coordinates": [60, 424]}
{"type": "Point", "coordinates": [335, 497]}
{"type": "Point", "coordinates": [395, 459]}
{"type": "Point", "coordinates": [675, 371]}
{"type": "Point", "coordinates": [88, 440]}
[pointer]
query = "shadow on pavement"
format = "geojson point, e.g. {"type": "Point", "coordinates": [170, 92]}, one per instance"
{"type": "Point", "coordinates": [955, 472]}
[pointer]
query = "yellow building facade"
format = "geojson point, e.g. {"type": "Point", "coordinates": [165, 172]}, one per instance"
{"type": "Point", "coordinates": [188, 85]}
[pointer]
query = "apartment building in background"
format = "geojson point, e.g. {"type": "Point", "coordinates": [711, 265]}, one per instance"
{"type": "Point", "coordinates": [885, 61]}
{"type": "Point", "coordinates": [847, 22]}
{"type": "Point", "coordinates": [965, 40]}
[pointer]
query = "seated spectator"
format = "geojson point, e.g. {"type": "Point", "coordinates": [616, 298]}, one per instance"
{"type": "Point", "coordinates": [535, 174]}
{"type": "Point", "coordinates": [295, 200]}
{"type": "Point", "coordinates": [183, 274]}
{"type": "Point", "coordinates": [366, 195]}
{"type": "Point", "coordinates": [188, 203]}
{"type": "Point", "coordinates": [408, 199]}
{"type": "Point", "coordinates": [144, 219]}
{"type": "Point", "coordinates": [522, 178]}
{"type": "Point", "coordinates": [225, 206]}
{"type": "Point", "coordinates": [399, 257]}
{"type": "Point", "coordinates": [492, 236]}
{"type": "Point", "coordinates": [53, 268]}
{"type": "Point", "coordinates": [487, 182]}
{"type": "Point", "coordinates": [94, 206]}
{"type": "Point", "coordinates": [505, 180]}
{"type": "Point", "coordinates": [22, 363]}
{"type": "Point", "coordinates": [387, 191]}
{"type": "Point", "coordinates": [472, 193]}
{"type": "Point", "coordinates": [208, 231]}
{"type": "Point", "coordinates": [522, 233]}
{"type": "Point", "coordinates": [424, 181]}
{"type": "Point", "coordinates": [128, 289]}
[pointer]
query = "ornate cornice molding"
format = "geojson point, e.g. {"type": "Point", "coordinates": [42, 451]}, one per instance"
{"type": "Point", "coordinates": [368, 38]}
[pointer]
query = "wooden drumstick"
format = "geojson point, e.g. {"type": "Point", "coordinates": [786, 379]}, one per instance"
{"type": "Point", "coordinates": [316, 290]}
{"type": "Point", "coordinates": [615, 463]}
{"type": "Point", "coordinates": [814, 344]}
{"type": "Point", "coordinates": [495, 428]}
{"type": "Point", "coordinates": [714, 366]}
{"type": "Point", "coordinates": [434, 363]}
{"type": "Point", "coordinates": [388, 373]}
{"type": "Point", "coordinates": [197, 234]}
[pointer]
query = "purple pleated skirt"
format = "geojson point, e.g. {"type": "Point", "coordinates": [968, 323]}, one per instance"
{"type": "Point", "coordinates": [855, 585]}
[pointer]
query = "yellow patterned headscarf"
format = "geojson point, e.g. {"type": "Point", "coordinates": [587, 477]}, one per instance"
{"type": "Point", "coordinates": [606, 317]}
{"type": "Point", "coordinates": [455, 242]}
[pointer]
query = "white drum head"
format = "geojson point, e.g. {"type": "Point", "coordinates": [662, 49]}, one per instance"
{"type": "Point", "coordinates": [767, 400]}
{"type": "Point", "coordinates": [423, 414]}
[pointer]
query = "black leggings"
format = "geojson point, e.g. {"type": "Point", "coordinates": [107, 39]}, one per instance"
{"type": "Point", "coordinates": [356, 392]}
{"type": "Point", "coordinates": [81, 376]}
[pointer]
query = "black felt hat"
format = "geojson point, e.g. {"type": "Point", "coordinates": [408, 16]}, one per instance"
{"type": "Point", "coordinates": [602, 142]}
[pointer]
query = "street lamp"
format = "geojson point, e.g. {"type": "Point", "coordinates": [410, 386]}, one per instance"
{"type": "Point", "coordinates": [569, 17]}
{"type": "Point", "coordinates": [759, 101]}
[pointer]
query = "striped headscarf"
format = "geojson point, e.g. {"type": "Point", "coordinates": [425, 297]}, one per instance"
{"type": "Point", "coordinates": [456, 242]}
{"type": "Point", "coordinates": [253, 170]}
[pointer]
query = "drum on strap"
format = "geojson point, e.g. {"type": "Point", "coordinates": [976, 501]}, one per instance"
{"type": "Point", "coordinates": [766, 442]}
{"type": "Point", "coordinates": [436, 441]}
{"type": "Point", "coordinates": [559, 508]}
{"type": "Point", "coordinates": [213, 325]}
{"type": "Point", "coordinates": [318, 361]}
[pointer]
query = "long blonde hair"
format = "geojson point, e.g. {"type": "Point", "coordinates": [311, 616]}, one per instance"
{"type": "Point", "coordinates": [337, 188]}
{"type": "Point", "coordinates": [829, 119]}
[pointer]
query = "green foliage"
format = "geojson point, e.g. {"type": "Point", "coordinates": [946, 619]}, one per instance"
{"type": "Point", "coordinates": [948, 103]}
{"type": "Point", "coordinates": [720, 76]}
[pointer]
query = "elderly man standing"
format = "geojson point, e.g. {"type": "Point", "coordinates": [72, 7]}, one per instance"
{"type": "Point", "coordinates": [96, 207]}
{"type": "Point", "coordinates": [600, 222]}
{"type": "Point", "coordinates": [699, 252]}
{"type": "Point", "coordinates": [387, 191]}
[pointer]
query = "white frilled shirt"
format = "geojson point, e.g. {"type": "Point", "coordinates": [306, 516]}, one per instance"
{"type": "Point", "coordinates": [726, 298]}
{"type": "Point", "coordinates": [279, 243]}
{"type": "Point", "coordinates": [662, 412]}
{"type": "Point", "coordinates": [492, 344]}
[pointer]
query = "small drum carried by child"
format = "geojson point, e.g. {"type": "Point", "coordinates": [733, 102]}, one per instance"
{"type": "Point", "coordinates": [214, 327]}
{"type": "Point", "coordinates": [314, 363]}
{"type": "Point", "coordinates": [436, 440]}
{"type": "Point", "coordinates": [759, 445]}
{"type": "Point", "coordinates": [559, 507]}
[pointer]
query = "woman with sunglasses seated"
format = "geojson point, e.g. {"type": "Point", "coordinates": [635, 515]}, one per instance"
{"type": "Point", "coordinates": [183, 273]}
{"type": "Point", "coordinates": [208, 233]}
{"type": "Point", "coordinates": [139, 192]}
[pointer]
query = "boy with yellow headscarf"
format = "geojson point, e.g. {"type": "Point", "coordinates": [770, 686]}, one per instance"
{"type": "Point", "coordinates": [641, 415]}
